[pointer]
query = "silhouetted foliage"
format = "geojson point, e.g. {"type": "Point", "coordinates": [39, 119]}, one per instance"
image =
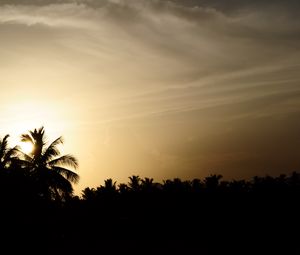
{"type": "Point", "coordinates": [40, 215]}
{"type": "Point", "coordinates": [46, 166]}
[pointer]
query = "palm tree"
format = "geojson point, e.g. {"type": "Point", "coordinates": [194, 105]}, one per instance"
{"type": "Point", "coordinates": [47, 167]}
{"type": "Point", "coordinates": [134, 183]}
{"type": "Point", "coordinates": [148, 185]}
{"type": "Point", "coordinates": [6, 153]}
{"type": "Point", "coordinates": [13, 181]}
{"type": "Point", "coordinates": [6, 156]}
{"type": "Point", "coordinates": [212, 182]}
{"type": "Point", "coordinates": [109, 186]}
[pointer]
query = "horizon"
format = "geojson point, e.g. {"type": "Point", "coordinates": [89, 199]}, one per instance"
{"type": "Point", "coordinates": [159, 89]}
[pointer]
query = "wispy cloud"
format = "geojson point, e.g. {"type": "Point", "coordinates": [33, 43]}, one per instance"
{"type": "Point", "coordinates": [172, 53]}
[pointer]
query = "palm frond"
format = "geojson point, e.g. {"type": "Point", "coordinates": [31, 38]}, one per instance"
{"type": "Point", "coordinates": [53, 183]}
{"type": "Point", "coordinates": [68, 174]}
{"type": "Point", "coordinates": [64, 186]}
{"type": "Point", "coordinates": [11, 152]}
{"type": "Point", "coordinates": [37, 133]}
{"type": "Point", "coordinates": [17, 150]}
{"type": "Point", "coordinates": [67, 160]}
{"type": "Point", "coordinates": [57, 141]}
{"type": "Point", "coordinates": [27, 138]}
{"type": "Point", "coordinates": [21, 162]}
{"type": "Point", "coordinates": [52, 150]}
{"type": "Point", "coordinates": [3, 146]}
{"type": "Point", "coordinates": [58, 181]}
{"type": "Point", "coordinates": [4, 141]}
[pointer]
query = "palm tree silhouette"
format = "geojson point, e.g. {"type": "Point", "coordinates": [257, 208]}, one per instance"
{"type": "Point", "coordinates": [6, 153]}
{"type": "Point", "coordinates": [109, 186]}
{"type": "Point", "coordinates": [134, 183]}
{"type": "Point", "coordinates": [6, 159]}
{"type": "Point", "coordinates": [47, 167]}
{"type": "Point", "coordinates": [212, 182]}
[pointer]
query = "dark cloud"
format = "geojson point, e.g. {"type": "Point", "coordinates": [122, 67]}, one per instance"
{"type": "Point", "coordinates": [33, 2]}
{"type": "Point", "coordinates": [228, 6]}
{"type": "Point", "coordinates": [237, 5]}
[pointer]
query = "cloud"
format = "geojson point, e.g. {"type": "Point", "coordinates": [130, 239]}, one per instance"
{"type": "Point", "coordinates": [195, 54]}
{"type": "Point", "coordinates": [186, 50]}
{"type": "Point", "coordinates": [53, 15]}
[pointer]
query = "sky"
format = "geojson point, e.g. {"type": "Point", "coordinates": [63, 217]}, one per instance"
{"type": "Point", "coordinates": [156, 88]}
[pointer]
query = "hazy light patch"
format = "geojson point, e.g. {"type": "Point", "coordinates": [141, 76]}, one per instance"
{"type": "Point", "coordinates": [26, 147]}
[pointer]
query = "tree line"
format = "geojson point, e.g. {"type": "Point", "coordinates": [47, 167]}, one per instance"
{"type": "Point", "coordinates": [41, 215]}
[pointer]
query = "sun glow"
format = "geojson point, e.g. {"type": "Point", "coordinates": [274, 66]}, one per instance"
{"type": "Point", "coordinates": [26, 147]}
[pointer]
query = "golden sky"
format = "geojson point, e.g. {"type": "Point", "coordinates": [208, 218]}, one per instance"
{"type": "Point", "coordinates": [156, 88]}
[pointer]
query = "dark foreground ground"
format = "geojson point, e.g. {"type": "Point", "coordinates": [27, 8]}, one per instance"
{"type": "Point", "coordinates": [155, 221]}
